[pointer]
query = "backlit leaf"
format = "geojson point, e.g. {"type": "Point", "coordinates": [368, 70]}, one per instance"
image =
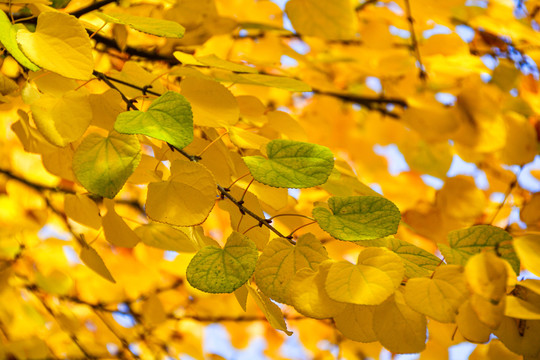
{"type": "Point", "coordinates": [521, 309]}
{"type": "Point", "coordinates": [217, 270]}
{"type": "Point", "coordinates": [83, 210]}
{"type": "Point", "coordinates": [280, 261]}
{"type": "Point", "coordinates": [440, 296]}
{"type": "Point", "coordinates": [116, 231]}
{"type": "Point", "coordinates": [169, 118]}
{"type": "Point", "coordinates": [372, 280]}
{"type": "Point", "coordinates": [292, 164]}
{"type": "Point", "coordinates": [466, 242]}
{"type": "Point", "coordinates": [356, 322]}
{"type": "Point", "coordinates": [417, 261]}
{"type": "Point", "coordinates": [528, 250]}
{"type": "Point", "coordinates": [185, 199]}
{"type": "Point", "coordinates": [159, 27]}
{"type": "Point", "coordinates": [270, 310]}
{"type": "Point", "coordinates": [334, 20]}
{"type": "Point", "coordinates": [103, 164]}
{"type": "Point", "coordinates": [59, 44]}
{"type": "Point", "coordinates": [91, 258]}
{"type": "Point", "coordinates": [308, 294]}
{"type": "Point", "coordinates": [354, 218]}
{"type": "Point", "coordinates": [399, 328]}
{"type": "Point", "coordinates": [8, 38]}
{"type": "Point", "coordinates": [163, 236]}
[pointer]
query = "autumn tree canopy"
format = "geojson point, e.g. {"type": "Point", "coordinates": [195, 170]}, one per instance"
{"type": "Point", "coordinates": [360, 174]}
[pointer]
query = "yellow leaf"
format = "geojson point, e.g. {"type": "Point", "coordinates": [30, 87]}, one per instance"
{"type": "Point", "coordinates": [399, 328]}
{"type": "Point", "coordinates": [30, 137]}
{"type": "Point", "coordinates": [440, 296]}
{"type": "Point", "coordinates": [334, 20]}
{"type": "Point", "coordinates": [356, 322]}
{"type": "Point", "coordinates": [82, 209]}
{"type": "Point", "coordinates": [470, 326]}
{"type": "Point", "coordinates": [163, 236]}
{"type": "Point", "coordinates": [133, 73]}
{"type": "Point", "coordinates": [521, 143]}
{"type": "Point", "coordinates": [56, 282]}
{"type": "Point", "coordinates": [241, 295]}
{"type": "Point", "coordinates": [117, 232]}
{"type": "Point", "coordinates": [212, 104]}
{"type": "Point", "coordinates": [486, 274]}
{"type": "Point", "coordinates": [308, 294]}
{"type": "Point", "coordinates": [185, 199]}
{"type": "Point", "coordinates": [153, 312]}
{"type": "Point", "coordinates": [59, 44]}
{"type": "Point", "coordinates": [246, 139]}
{"type": "Point", "coordinates": [280, 260]}
{"type": "Point", "coordinates": [521, 309]}
{"type": "Point", "coordinates": [520, 336]}
{"type": "Point", "coordinates": [372, 280]}
{"type": "Point", "coordinates": [528, 250]}
{"type": "Point", "coordinates": [460, 198]}
{"type": "Point", "coordinates": [91, 258]}
{"type": "Point", "coordinates": [494, 350]}
{"type": "Point", "coordinates": [62, 119]}
{"type": "Point", "coordinates": [270, 310]}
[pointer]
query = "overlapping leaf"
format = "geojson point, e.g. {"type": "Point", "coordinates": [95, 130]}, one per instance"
{"type": "Point", "coordinates": [169, 118]}
{"type": "Point", "coordinates": [354, 218]}
{"type": "Point", "coordinates": [158, 27]}
{"type": "Point", "coordinates": [217, 270]}
{"type": "Point", "coordinates": [292, 164]}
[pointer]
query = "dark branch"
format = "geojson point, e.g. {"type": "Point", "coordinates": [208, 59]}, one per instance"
{"type": "Point", "coordinates": [92, 7]}
{"type": "Point", "coordinates": [414, 42]}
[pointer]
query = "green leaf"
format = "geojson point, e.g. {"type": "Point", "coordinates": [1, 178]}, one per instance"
{"type": "Point", "coordinates": [158, 27]}
{"type": "Point", "coordinates": [8, 38]}
{"type": "Point", "coordinates": [292, 164]}
{"type": "Point", "coordinates": [169, 118]}
{"type": "Point", "coordinates": [465, 243]}
{"type": "Point", "coordinates": [353, 218]}
{"type": "Point", "coordinates": [418, 262]}
{"type": "Point", "coordinates": [217, 270]}
{"type": "Point", "coordinates": [103, 164]}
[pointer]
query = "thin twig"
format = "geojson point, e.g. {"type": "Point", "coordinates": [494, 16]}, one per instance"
{"type": "Point", "coordinates": [414, 42]}
{"type": "Point", "coordinates": [92, 7]}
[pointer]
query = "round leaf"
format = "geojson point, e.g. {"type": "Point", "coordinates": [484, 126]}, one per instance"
{"type": "Point", "coordinates": [217, 270]}
{"type": "Point", "coordinates": [103, 164]}
{"type": "Point", "coordinates": [354, 218]}
{"type": "Point", "coordinates": [292, 164]}
{"type": "Point", "coordinates": [169, 118]}
{"type": "Point", "coordinates": [8, 38]}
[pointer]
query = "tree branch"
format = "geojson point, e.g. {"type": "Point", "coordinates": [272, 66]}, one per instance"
{"type": "Point", "coordinates": [414, 42]}
{"type": "Point", "coordinates": [92, 7]}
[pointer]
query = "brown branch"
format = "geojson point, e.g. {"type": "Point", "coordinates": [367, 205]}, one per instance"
{"type": "Point", "coordinates": [95, 6]}
{"type": "Point", "coordinates": [414, 42]}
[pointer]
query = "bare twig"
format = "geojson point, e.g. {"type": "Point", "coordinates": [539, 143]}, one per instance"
{"type": "Point", "coordinates": [414, 42]}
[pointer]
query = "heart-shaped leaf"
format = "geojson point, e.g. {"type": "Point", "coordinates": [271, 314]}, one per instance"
{"type": "Point", "coordinates": [103, 164]}
{"type": "Point", "coordinates": [353, 218]}
{"type": "Point", "coordinates": [292, 164]}
{"type": "Point", "coordinates": [169, 118]}
{"type": "Point", "coordinates": [217, 270]}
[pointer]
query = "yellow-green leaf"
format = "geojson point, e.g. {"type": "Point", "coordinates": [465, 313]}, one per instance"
{"type": "Point", "coordinates": [8, 38]}
{"type": "Point", "coordinates": [103, 164]}
{"type": "Point", "coordinates": [418, 262]}
{"type": "Point", "coordinates": [292, 164]}
{"type": "Point", "coordinates": [440, 296]}
{"type": "Point", "coordinates": [152, 26]}
{"type": "Point", "coordinates": [186, 198]}
{"type": "Point", "coordinates": [59, 44]}
{"type": "Point", "coordinates": [169, 118]}
{"type": "Point", "coordinates": [354, 218]}
{"type": "Point", "coordinates": [280, 261]}
{"type": "Point", "coordinates": [332, 20]}
{"type": "Point", "coordinates": [217, 270]}
{"type": "Point", "coordinates": [372, 280]}
{"type": "Point", "coordinates": [466, 242]}
{"type": "Point", "coordinates": [163, 236]}
{"type": "Point", "coordinates": [213, 61]}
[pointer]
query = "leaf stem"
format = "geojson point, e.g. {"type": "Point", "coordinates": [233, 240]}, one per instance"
{"type": "Point", "coordinates": [300, 227]}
